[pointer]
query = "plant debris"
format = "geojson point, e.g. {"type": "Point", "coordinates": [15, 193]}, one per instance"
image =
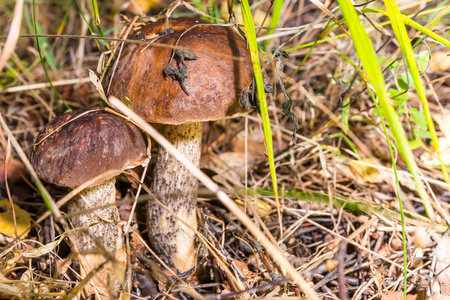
{"type": "Point", "coordinates": [287, 104]}
{"type": "Point", "coordinates": [340, 222]}
{"type": "Point", "coordinates": [179, 74]}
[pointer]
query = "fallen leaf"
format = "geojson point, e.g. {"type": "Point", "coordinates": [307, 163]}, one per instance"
{"type": "Point", "coordinates": [442, 270]}
{"type": "Point", "coordinates": [98, 86]}
{"type": "Point", "coordinates": [249, 275]}
{"type": "Point", "coordinates": [440, 61]}
{"type": "Point", "coordinates": [366, 172]}
{"type": "Point", "coordinates": [391, 295]}
{"type": "Point", "coordinates": [231, 165]}
{"type": "Point", "coordinates": [8, 289]}
{"type": "Point", "coordinates": [27, 276]}
{"type": "Point", "coordinates": [41, 250]}
{"type": "Point", "coordinates": [23, 219]}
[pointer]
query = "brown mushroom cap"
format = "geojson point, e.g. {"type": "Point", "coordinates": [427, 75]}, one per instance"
{"type": "Point", "coordinates": [214, 83]}
{"type": "Point", "coordinates": [86, 144]}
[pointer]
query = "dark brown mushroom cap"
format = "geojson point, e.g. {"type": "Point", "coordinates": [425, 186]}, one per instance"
{"type": "Point", "coordinates": [215, 83]}
{"type": "Point", "coordinates": [78, 146]}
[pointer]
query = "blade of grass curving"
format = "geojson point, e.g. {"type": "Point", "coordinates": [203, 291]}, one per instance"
{"type": "Point", "coordinates": [42, 59]}
{"type": "Point", "coordinates": [87, 23]}
{"type": "Point", "coordinates": [355, 25]}
{"type": "Point", "coordinates": [344, 136]}
{"type": "Point", "coordinates": [366, 53]}
{"type": "Point", "coordinates": [349, 203]}
{"type": "Point", "coordinates": [254, 51]}
{"type": "Point", "coordinates": [367, 56]}
{"type": "Point", "coordinates": [408, 21]}
{"type": "Point", "coordinates": [403, 39]}
{"type": "Point", "coordinates": [351, 16]}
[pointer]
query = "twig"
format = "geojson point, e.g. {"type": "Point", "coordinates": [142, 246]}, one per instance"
{"type": "Point", "coordinates": [137, 42]}
{"type": "Point", "coordinates": [272, 249]}
{"type": "Point", "coordinates": [341, 270]}
{"type": "Point", "coordinates": [36, 86]}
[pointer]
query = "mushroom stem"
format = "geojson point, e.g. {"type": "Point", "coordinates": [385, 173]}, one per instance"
{"type": "Point", "coordinates": [176, 187]}
{"type": "Point", "coordinates": [105, 231]}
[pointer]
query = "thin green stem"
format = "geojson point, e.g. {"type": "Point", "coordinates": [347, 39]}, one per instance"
{"type": "Point", "coordinates": [87, 23]}
{"type": "Point", "coordinates": [98, 22]}
{"type": "Point", "coordinates": [42, 59]}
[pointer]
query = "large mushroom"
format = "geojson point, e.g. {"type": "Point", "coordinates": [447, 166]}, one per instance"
{"type": "Point", "coordinates": [79, 147]}
{"type": "Point", "coordinates": [181, 89]}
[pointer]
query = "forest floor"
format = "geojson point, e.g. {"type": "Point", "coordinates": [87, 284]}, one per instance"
{"type": "Point", "coordinates": [338, 221]}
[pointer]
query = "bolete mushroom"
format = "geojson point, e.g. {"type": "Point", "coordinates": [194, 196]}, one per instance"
{"type": "Point", "coordinates": [79, 147]}
{"type": "Point", "coordinates": [181, 89]}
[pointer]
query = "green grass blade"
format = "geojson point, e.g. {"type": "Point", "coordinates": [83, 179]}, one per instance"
{"type": "Point", "coordinates": [408, 21]}
{"type": "Point", "coordinates": [87, 23]}
{"type": "Point", "coordinates": [365, 10]}
{"type": "Point", "coordinates": [44, 46]}
{"type": "Point", "coordinates": [350, 204]}
{"type": "Point", "coordinates": [98, 23]}
{"type": "Point", "coordinates": [276, 14]}
{"type": "Point", "coordinates": [366, 53]}
{"type": "Point", "coordinates": [368, 58]}
{"type": "Point", "coordinates": [402, 36]}
{"type": "Point", "coordinates": [251, 37]}
{"type": "Point", "coordinates": [62, 25]}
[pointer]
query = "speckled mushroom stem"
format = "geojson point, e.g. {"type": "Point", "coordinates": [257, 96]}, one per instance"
{"type": "Point", "coordinates": [105, 230]}
{"type": "Point", "coordinates": [176, 188]}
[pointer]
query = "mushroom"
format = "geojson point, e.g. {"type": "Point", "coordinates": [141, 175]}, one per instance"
{"type": "Point", "coordinates": [180, 90]}
{"type": "Point", "coordinates": [79, 147]}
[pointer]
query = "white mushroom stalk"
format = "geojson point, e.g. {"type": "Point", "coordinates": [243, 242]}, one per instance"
{"type": "Point", "coordinates": [176, 188]}
{"type": "Point", "coordinates": [105, 231]}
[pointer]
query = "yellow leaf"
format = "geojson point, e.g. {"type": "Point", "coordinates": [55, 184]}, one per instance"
{"type": "Point", "coordinates": [258, 15]}
{"type": "Point", "coordinates": [7, 222]}
{"type": "Point", "coordinates": [364, 170]}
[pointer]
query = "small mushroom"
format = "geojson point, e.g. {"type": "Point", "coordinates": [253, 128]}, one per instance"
{"type": "Point", "coordinates": [199, 85]}
{"type": "Point", "coordinates": [78, 147]}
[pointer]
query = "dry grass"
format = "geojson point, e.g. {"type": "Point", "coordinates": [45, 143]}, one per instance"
{"type": "Point", "coordinates": [345, 239]}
